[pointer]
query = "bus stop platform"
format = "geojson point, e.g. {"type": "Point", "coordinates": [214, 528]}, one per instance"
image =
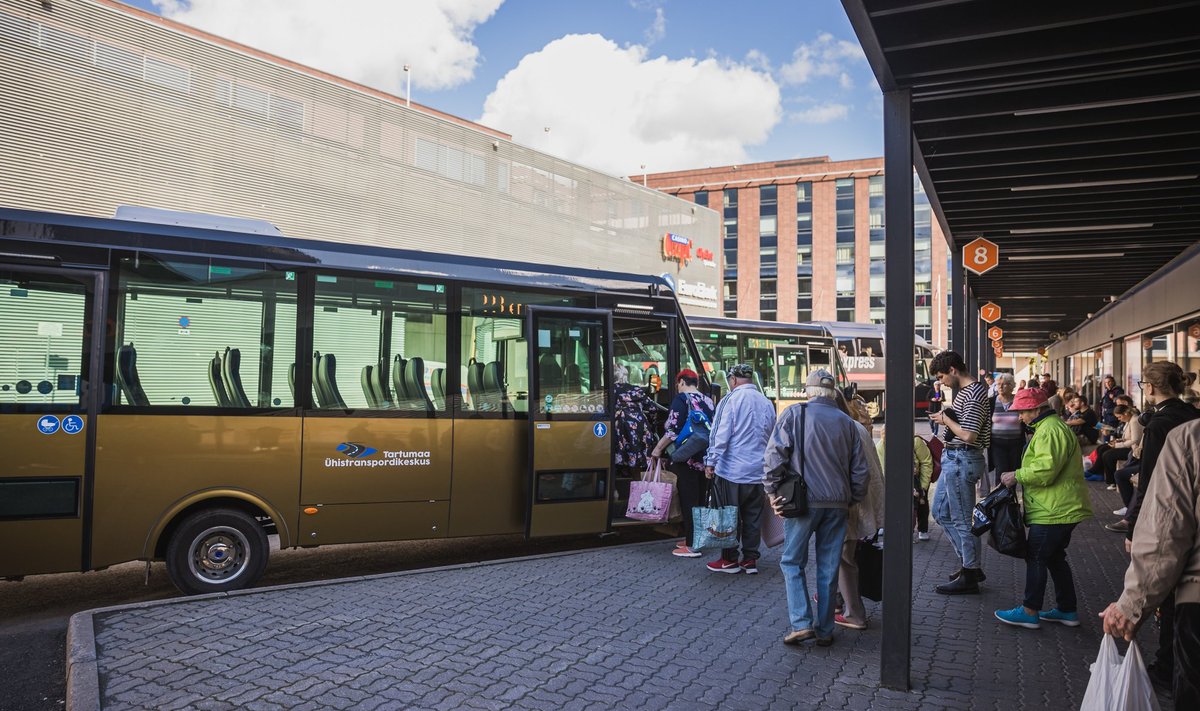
{"type": "Point", "coordinates": [623, 627]}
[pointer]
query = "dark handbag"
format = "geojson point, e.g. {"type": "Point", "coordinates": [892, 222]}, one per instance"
{"type": "Point", "coordinates": [869, 558]}
{"type": "Point", "coordinates": [693, 437]}
{"type": "Point", "coordinates": [1008, 529]}
{"type": "Point", "coordinates": [792, 491]}
{"type": "Point", "coordinates": [983, 517]}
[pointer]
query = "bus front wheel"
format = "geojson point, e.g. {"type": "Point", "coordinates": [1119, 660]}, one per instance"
{"type": "Point", "coordinates": [216, 550]}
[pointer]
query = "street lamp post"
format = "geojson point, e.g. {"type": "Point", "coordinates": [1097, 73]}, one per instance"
{"type": "Point", "coordinates": [407, 86]}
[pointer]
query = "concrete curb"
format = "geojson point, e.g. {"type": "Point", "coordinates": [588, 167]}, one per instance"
{"type": "Point", "coordinates": [83, 673]}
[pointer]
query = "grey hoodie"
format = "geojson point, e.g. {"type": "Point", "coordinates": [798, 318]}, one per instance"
{"type": "Point", "coordinates": [835, 470]}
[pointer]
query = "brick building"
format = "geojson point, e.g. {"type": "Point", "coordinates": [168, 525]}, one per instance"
{"type": "Point", "coordinates": [803, 240]}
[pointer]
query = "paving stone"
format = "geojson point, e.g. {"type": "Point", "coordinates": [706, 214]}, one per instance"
{"type": "Point", "coordinates": [627, 627]}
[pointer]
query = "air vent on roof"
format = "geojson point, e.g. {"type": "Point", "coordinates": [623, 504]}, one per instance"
{"type": "Point", "coordinates": [201, 220]}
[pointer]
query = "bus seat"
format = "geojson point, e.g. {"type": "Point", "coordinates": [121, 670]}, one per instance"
{"type": "Point", "coordinates": [399, 387]}
{"type": "Point", "coordinates": [232, 366]}
{"type": "Point", "coordinates": [292, 380]}
{"type": "Point", "coordinates": [439, 384]}
{"type": "Point", "coordinates": [127, 376]}
{"type": "Point", "coordinates": [217, 382]}
{"type": "Point", "coordinates": [379, 380]}
{"type": "Point", "coordinates": [319, 397]}
{"type": "Point", "coordinates": [757, 380]}
{"type": "Point", "coordinates": [721, 378]}
{"type": "Point", "coordinates": [493, 379]}
{"type": "Point", "coordinates": [572, 378]}
{"type": "Point", "coordinates": [635, 375]}
{"type": "Point", "coordinates": [550, 373]}
{"type": "Point", "coordinates": [368, 387]}
{"type": "Point", "coordinates": [418, 395]}
{"type": "Point", "coordinates": [327, 375]}
{"type": "Point", "coordinates": [475, 383]}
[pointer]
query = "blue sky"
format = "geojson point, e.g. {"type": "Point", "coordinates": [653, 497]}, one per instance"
{"type": "Point", "coordinates": [620, 83]}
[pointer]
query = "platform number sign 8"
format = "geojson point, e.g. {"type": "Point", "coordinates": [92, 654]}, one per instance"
{"type": "Point", "coordinates": [981, 256]}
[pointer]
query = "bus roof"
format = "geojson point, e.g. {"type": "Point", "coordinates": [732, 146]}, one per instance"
{"type": "Point", "coordinates": [46, 233]}
{"type": "Point", "coordinates": [751, 326]}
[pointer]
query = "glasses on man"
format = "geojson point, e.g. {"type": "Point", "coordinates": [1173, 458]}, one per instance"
{"type": "Point", "coordinates": [1141, 384]}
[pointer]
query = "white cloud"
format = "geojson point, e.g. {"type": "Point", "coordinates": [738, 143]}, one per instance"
{"type": "Point", "coordinates": [658, 28]}
{"type": "Point", "coordinates": [614, 109]}
{"type": "Point", "coordinates": [368, 41]}
{"type": "Point", "coordinates": [824, 113]}
{"type": "Point", "coordinates": [827, 56]}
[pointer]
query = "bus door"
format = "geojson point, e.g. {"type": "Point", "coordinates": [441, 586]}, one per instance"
{"type": "Point", "coordinates": [570, 420]}
{"type": "Point", "coordinates": [51, 326]}
{"type": "Point", "coordinates": [792, 365]}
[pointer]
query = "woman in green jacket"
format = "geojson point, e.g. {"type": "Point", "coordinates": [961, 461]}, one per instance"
{"type": "Point", "coordinates": [1056, 500]}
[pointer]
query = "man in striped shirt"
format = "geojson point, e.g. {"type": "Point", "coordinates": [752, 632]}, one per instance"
{"type": "Point", "coordinates": [966, 435]}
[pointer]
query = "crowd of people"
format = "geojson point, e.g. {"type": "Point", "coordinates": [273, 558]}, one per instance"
{"type": "Point", "coordinates": [989, 432]}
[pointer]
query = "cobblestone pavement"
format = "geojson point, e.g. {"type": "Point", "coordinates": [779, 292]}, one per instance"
{"type": "Point", "coordinates": [627, 627]}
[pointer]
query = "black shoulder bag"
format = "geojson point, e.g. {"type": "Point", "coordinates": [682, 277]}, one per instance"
{"type": "Point", "coordinates": [792, 490]}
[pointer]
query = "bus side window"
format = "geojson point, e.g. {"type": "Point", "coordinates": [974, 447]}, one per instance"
{"type": "Point", "coordinates": [205, 332]}
{"type": "Point", "coordinates": [389, 341]}
{"type": "Point", "coordinates": [493, 354]}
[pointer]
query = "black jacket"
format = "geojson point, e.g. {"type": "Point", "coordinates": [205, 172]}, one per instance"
{"type": "Point", "coordinates": [1165, 418]}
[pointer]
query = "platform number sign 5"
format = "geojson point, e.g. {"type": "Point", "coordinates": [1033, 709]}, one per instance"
{"type": "Point", "coordinates": [980, 256]}
{"type": "Point", "coordinates": [989, 313]}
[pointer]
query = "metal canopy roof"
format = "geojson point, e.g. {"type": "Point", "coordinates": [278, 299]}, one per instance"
{"type": "Point", "coordinates": [1056, 130]}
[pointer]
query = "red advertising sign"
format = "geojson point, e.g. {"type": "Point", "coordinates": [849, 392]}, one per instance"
{"type": "Point", "coordinates": [677, 248]}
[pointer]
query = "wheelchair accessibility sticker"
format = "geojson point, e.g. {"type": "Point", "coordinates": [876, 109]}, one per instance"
{"type": "Point", "coordinates": [72, 424]}
{"type": "Point", "coordinates": [600, 429]}
{"type": "Point", "coordinates": [47, 424]}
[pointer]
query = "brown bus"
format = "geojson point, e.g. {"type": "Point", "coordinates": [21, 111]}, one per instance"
{"type": "Point", "coordinates": [177, 392]}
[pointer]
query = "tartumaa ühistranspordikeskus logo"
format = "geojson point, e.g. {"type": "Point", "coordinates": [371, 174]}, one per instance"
{"type": "Point", "coordinates": [355, 450]}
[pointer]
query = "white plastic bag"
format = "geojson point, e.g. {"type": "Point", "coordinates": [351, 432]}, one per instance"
{"type": "Point", "coordinates": [1119, 684]}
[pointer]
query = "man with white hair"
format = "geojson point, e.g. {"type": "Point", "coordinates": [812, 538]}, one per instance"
{"type": "Point", "coordinates": [820, 444]}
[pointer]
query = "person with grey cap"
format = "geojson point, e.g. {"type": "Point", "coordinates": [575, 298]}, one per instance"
{"type": "Point", "coordinates": [741, 427]}
{"type": "Point", "coordinates": [817, 441]}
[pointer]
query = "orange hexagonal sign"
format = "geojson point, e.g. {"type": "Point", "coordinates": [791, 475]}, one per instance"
{"type": "Point", "coordinates": [989, 312]}
{"type": "Point", "coordinates": [998, 345]}
{"type": "Point", "coordinates": [981, 256]}
{"type": "Point", "coordinates": [995, 333]}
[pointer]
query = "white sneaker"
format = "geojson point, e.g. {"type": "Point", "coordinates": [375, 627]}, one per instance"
{"type": "Point", "coordinates": [685, 552]}
{"type": "Point", "coordinates": [1111, 487]}
{"type": "Point", "coordinates": [1121, 511]}
{"type": "Point", "coordinates": [922, 536]}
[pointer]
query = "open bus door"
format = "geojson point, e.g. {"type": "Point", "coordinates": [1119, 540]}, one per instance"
{"type": "Point", "coordinates": [570, 420]}
{"type": "Point", "coordinates": [51, 326]}
{"type": "Point", "coordinates": [792, 365]}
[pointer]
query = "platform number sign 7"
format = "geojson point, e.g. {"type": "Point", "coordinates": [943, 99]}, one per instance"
{"type": "Point", "coordinates": [989, 313]}
{"type": "Point", "coordinates": [981, 256]}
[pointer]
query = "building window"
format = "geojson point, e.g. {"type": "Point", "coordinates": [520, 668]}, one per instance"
{"type": "Point", "coordinates": [844, 193]}
{"type": "Point", "coordinates": [846, 315]}
{"type": "Point", "coordinates": [845, 254]}
{"type": "Point", "coordinates": [804, 299]}
{"type": "Point", "coordinates": [730, 301]}
{"type": "Point", "coordinates": [845, 279]}
{"type": "Point", "coordinates": [877, 315]}
{"type": "Point", "coordinates": [701, 197]}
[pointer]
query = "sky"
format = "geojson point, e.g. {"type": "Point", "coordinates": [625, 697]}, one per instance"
{"type": "Point", "coordinates": [622, 86]}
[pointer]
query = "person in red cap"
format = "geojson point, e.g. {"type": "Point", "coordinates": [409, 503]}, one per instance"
{"type": "Point", "coordinates": [690, 473]}
{"type": "Point", "coordinates": [1056, 500]}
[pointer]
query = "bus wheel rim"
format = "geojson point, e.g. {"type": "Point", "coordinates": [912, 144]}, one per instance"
{"type": "Point", "coordinates": [218, 555]}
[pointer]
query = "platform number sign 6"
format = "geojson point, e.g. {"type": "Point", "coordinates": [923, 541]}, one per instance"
{"type": "Point", "coordinates": [981, 256]}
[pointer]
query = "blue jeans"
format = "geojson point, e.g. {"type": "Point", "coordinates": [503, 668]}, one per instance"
{"type": "Point", "coordinates": [955, 500]}
{"type": "Point", "coordinates": [1047, 554]}
{"type": "Point", "coordinates": [830, 527]}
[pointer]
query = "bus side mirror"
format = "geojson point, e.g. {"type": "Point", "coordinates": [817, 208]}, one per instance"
{"type": "Point", "coordinates": [714, 389]}
{"type": "Point", "coordinates": [850, 391]}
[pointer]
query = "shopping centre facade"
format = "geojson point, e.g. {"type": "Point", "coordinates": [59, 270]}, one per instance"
{"type": "Point", "coordinates": [107, 105]}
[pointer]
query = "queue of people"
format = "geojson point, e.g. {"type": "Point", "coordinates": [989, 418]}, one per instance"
{"type": "Point", "coordinates": [1150, 457]}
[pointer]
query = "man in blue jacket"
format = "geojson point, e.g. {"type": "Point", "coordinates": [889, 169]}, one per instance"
{"type": "Point", "coordinates": [741, 426]}
{"type": "Point", "coordinates": [821, 443]}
